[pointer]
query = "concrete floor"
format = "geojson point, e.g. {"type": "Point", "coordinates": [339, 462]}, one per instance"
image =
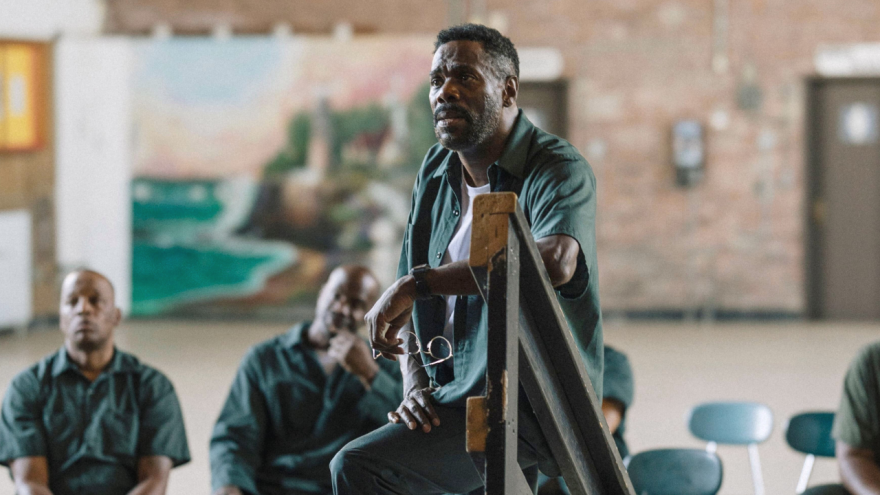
{"type": "Point", "coordinates": [791, 367]}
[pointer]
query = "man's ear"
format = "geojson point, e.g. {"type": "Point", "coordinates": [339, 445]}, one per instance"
{"type": "Point", "coordinates": [117, 316]}
{"type": "Point", "coordinates": [510, 91]}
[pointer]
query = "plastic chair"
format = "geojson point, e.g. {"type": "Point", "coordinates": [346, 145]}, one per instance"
{"type": "Point", "coordinates": [675, 472]}
{"type": "Point", "coordinates": [734, 423]}
{"type": "Point", "coordinates": [810, 433]}
{"type": "Point", "coordinates": [834, 489]}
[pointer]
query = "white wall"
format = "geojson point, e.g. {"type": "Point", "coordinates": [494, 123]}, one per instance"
{"type": "Point", "coordinates": [45, 19]}
{"type": "Point", "coordinates": [94, 158]}
{"type": "Point", "coordinates": [16, 284]}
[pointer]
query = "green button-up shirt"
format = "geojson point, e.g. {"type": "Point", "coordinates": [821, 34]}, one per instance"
{"type": "Point", "coordinates": [91, 432]}
{"type": "Point", "coordinates": [557, 192]}
{"type": "Point", "coordinates": [285, 418]}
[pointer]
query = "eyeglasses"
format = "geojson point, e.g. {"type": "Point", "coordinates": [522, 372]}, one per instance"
{"type": "Point", "coordinates": [439, 349]}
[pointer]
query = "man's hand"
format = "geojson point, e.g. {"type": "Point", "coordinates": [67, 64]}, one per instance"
{"type": "Point", "coordinates": [390, 313]}
{"type": "Point", "coordinates": [416, 410]}
{"type": "Point", "coordinates": [228, 490]}
{"type": "Point", "coordinates": [30, 475]}
{"type": "Point", "coordinates": [353, 354]}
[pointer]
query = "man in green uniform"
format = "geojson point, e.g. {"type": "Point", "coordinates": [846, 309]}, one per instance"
{"type": "Point", "coordinates": [485, 144]}
{"type": "Point", "coordinates": [857, 424]}
{"type": "Point", "coordinates": [299, 397]}
{"type": "Point", "coordinates": [91, 418]}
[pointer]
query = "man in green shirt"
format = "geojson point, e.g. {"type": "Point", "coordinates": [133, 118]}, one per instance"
{"type": "Point", "coordinates": [857, 424]}
{"type": "Point", "coordinates": [91, 418]}
{"type": "Point", "coordinates": [299, 397]}
{"type": "Point", "coordinates": [486, 144]}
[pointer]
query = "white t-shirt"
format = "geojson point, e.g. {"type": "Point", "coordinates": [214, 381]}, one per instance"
{"type": "Point", "coordinates": [460, 246]}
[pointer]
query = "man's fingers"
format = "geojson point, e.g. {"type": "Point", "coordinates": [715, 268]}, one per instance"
{"type": "Point", "coordinates": [393, 417]}
{"type": "Point", "coordinates": [420, 415]}
{"type": "Point", "coordinates": [424, 400]}
{"type": "Point", "coordinates": [407, 417]}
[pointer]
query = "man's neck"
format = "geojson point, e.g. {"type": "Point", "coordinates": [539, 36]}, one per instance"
{"type": "Point", "coordinates": [476, 160]}
{"type": "Point", "coordinates": [90, 362]}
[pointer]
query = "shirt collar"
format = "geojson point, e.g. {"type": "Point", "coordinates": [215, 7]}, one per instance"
{"type": "Point", "coordinates": [513, 158]}
{"type": "Point", "coordinates": [121, 362]}
{"type": "Point", "coordinates": [294, 336]}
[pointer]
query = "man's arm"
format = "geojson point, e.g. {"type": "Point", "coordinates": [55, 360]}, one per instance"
{"type": "Point", "coordinates": [237, 440]}
{"type": "Point", "coordinates": [30, 476]}
{"type": "Point", "coordinates": [858, 469]}
{"type": "Point", "coordinates": [153, 472]}
{"type": "Point", "coordinates": [393, 310]}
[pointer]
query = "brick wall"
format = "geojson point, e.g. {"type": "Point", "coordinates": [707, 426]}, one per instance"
{"type": "Point", "coordinates": [733, 242]}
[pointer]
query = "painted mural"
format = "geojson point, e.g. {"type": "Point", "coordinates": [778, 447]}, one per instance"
{"type": "Point", "coordinates": [261, 163]}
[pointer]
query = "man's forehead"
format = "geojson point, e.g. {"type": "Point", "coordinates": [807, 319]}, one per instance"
{"type": "Point", "coordinates": [85, 281]}
{"type": "Point", "coordinates": [461, 52]}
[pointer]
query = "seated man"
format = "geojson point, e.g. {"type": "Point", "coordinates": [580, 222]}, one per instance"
{"type": "Point", "coordinates": [91, 418]}
{"type": "Point", "coordinates": [857, 424]}
{"type": "Point", "coordinates": [617, 397]}
{"type": "Point", "coordinates": [298, 398]}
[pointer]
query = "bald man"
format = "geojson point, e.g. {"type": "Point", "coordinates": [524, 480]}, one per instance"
{"type": "Point", "coordinates": [91, 418]}
{"type": "Point", "coordinates": [299, 397]}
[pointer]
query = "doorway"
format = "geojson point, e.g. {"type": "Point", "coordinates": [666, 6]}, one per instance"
{"type": "Point", "coordinates": [843, 241]}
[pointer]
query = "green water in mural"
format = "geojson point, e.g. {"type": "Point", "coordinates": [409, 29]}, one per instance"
{"type": "Point", "coordinates": [181, 253]}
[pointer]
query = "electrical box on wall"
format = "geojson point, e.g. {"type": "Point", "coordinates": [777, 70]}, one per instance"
{"type": "Point", "coordinates": [23, 83]}
{"type": "Point", "coordinates": [688, 152]}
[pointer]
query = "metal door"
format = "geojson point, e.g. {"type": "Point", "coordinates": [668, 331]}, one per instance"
{"type": "Point", "coordinates": [843, 262]}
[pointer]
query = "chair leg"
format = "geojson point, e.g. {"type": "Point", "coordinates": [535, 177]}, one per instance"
{"type": "Point", "coordinates": [807, 470]}
{"type": "Point", "coordinates": [755, 462]}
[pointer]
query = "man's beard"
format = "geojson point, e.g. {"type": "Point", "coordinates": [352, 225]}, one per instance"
{"type": "Point", "coordinates": [478, 127]}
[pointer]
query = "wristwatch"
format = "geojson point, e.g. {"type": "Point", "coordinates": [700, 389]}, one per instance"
{"type": "Point", "coordinates": [418, 273]}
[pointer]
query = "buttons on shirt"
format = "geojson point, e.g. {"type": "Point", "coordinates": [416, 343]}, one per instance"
{"type": "Point", "coordinates": [439, 255]}
{"type": "Point", "coordinates": [455, 213]}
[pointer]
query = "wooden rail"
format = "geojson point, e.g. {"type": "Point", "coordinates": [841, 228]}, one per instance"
{"type": "Point", "coordinates": [529, 343]}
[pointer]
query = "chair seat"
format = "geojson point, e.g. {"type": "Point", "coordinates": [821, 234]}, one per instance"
{"type": "Point", "coordinates": [675, 472]}
{"type": "Point", "coordinates": [835, 489]}
{"type": "Point", "coordinates": [810, 433]}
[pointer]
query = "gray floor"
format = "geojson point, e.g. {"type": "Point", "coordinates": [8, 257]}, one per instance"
{"type": "Point", "coordinates": [791, 367]}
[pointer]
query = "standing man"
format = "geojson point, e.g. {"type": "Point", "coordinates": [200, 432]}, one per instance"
{"type": "Point", "coordinates": [857, 424]}
{"type": "Point", "coordinates": [91, 418]}
{"type": "Point", "coordinates": [485, 144]}
{"type": "Point", "coordinates": [299, 397]}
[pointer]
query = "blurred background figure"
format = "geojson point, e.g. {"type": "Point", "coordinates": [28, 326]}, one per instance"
{"type": "Point", "coordinates": [618, 390]}
{"type": "Point", "coordinates": [299, 397]}
{"type": "Point", "coordinates": [216, 160]}
{"type": "Point", "coordinates": [857, 424]}
{"type": "Point", "coordinates": [91, 415]}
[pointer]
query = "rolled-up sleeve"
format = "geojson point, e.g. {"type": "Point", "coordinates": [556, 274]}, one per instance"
{"type": "Point", "coordinates": [162, 432]}
{"type": "Point", "coordinates": [22, 433]}
{"type": "Point", "coordinates": [237, 440]}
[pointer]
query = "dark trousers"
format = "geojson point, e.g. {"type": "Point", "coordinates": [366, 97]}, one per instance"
{"type": "Point", "coordinates": [396, 460]}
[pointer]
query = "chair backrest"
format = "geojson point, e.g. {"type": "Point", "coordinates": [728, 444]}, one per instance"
{"type": "Point", "coordinates": [732, 423]}
{"type": "Point", "coordinates": [810, 433]}
{"type": "Point", "coordinates": [675, 472]}
{"type": "Point", "coordinates": [827, 490]}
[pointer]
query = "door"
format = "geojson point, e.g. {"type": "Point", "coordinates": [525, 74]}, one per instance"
{"type": "Point", "coordinates": [545, 104]}
{"type": "Point", "coordinates": [843, 266]}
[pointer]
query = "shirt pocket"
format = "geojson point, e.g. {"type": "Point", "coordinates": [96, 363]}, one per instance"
{"type": "Point", "coordinates": [119, 430]}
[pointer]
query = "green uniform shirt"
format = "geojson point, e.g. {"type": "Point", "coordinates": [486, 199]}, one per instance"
{"type": "Point", "coordinates": [557, 192]}
{"type": "Point", "coordinates": [618, 385]}
{"type": "Point", "coordinates": [92, 433]}
{"type": "Point", "coordinates": [857, 422]}
{"type": "Point", "coordinates": [285, 418]}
